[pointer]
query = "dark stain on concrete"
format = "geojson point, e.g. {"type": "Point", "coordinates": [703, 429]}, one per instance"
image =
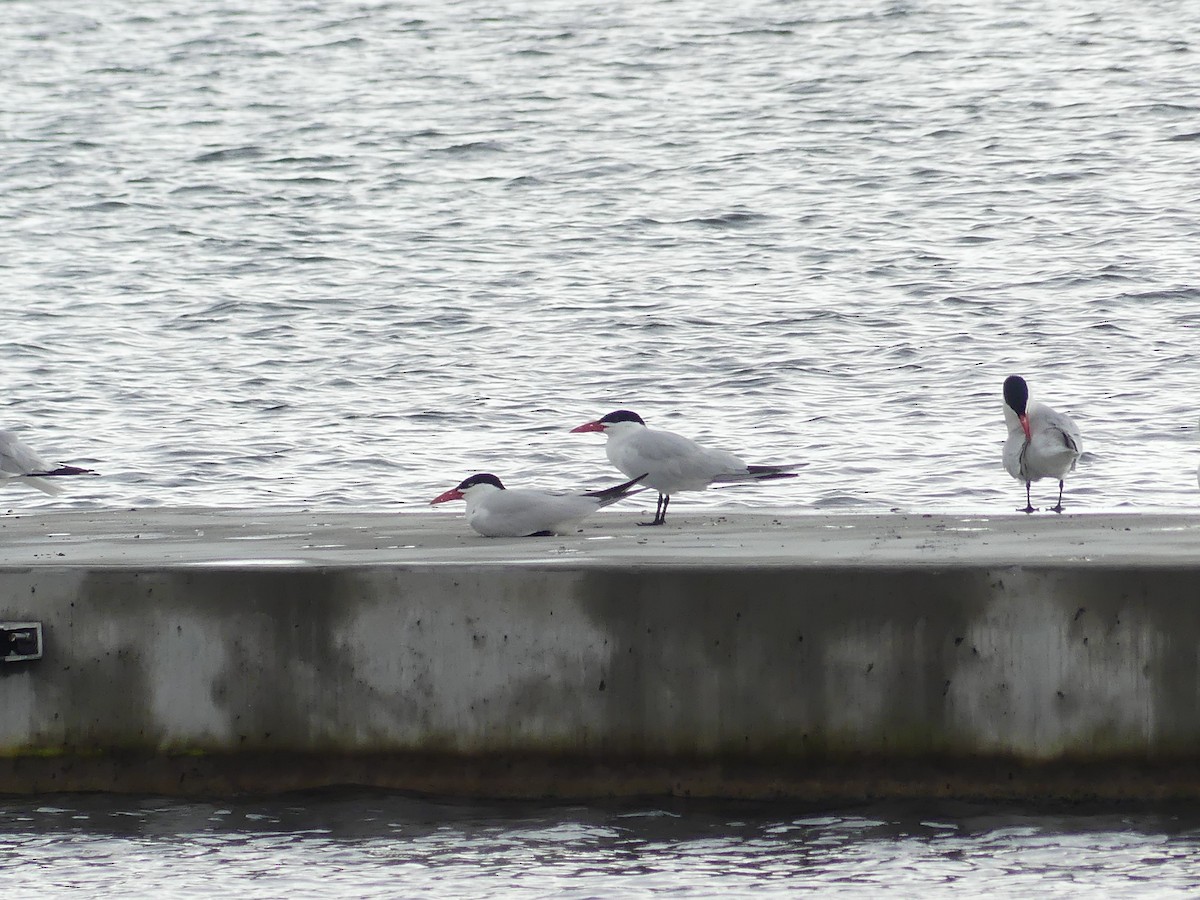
{"type": "Point", "coordinates": [714, 654]}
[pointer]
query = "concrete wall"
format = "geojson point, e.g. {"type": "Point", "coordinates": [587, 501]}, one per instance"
{"type": "Point", "coordinates": [817, 682]}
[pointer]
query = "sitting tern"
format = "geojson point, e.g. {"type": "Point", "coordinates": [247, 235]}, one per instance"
{"type": "Point", "coordinates": [672, 462]}
{"type": "Point", "coordinates": [18, 460]}
{"type": "Point", "coordinates": [1041, 443]}
{"type": "Point", "coordinates": [495, 511]}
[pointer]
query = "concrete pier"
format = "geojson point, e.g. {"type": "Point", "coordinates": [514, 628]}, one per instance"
{"type": "Point", "coordinates": [805, 656]}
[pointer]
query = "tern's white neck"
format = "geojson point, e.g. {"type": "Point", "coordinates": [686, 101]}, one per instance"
{"type": "Point", "coordinates": [1011, 420]}
{"type": "Point", "coordinates": [477, 493]}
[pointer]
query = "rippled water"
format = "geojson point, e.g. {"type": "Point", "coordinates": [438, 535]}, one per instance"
{"type": "Point", "coordinates": [389, 846]}
{"type": "Point", "coordinates": [347, 253]}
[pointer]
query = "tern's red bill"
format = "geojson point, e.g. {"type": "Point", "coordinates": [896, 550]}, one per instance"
{"type": "Point", "coordinates": [452, 494]}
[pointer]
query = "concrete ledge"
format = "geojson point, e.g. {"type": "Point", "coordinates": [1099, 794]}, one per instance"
{"type": "Point", "coordinates": [816, 657]}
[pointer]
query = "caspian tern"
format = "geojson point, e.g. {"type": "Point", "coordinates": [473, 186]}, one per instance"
{"type": "Point", "coordinates": [1041, 443]}
{"type": "Point", "coordinates": [18, 460]}
{"type": "Point", "coordinates": [673, 463]}
{"type": "Point", "coordinates": [495, 511]}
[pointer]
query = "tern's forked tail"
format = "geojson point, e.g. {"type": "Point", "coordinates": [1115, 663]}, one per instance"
{"type": "Point", "coordinates": [760, 473]}
{"type": "Point", "coordinates": [62, 470]}
{"type": "Point", "coordinates": [617, 492]}
{"type": "Point", "coordinates": [47, 481]}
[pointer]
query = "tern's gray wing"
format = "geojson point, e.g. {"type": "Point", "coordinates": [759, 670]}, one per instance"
{"type": "Point", "coordinates": [672, 462]}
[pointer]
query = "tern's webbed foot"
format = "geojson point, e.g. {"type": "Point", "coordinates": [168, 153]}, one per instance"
{"type": "Point", "coordinates": [1028, 509]}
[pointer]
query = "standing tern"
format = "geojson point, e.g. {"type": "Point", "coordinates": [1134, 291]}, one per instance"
{"type": "Point", "coordinates": [1041, 443]}
{"type": "Point", "coordinates": [18, 460]}
{"type": "Point", "coordinates": [495, 511]}
{"type": "Point", "coordinates": [673, 463]}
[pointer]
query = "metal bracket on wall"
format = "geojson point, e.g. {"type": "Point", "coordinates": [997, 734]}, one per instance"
{"type": "Point", "coordinates": [20, 641]}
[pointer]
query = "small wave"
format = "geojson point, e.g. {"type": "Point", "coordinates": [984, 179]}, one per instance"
{"type": "Point", "coordinates": [307, 179]}
{"type": "Point", "coordinates": [230, 153]}
{"type": "Point", "coordinates": [763, 32]}
{"type": "Point", "coordinates": [104, 206]}
{"type": "Point", "coordinates": [738, 219]}
{"type": "Point", "coordinates": [846, 501]}
{"type": "Point", "coordinates": [203, 188]}
{"type": "Point", "coordinates": [346, 42]}
{"type": "Point", "coordinates": [470, 148]}
{"type": "Point", "coordinates": [219, 308]}
{"type": "Point", "coordinates": [322, 162]}
{"type": "Point", "coordinates": [1187, 293]}
{"type": "Point", "coordinates": [125, 70]}
{"type": "Point", "coordinates": [523, 181]}
{"type": "Point", "coordinates": [315, 259]}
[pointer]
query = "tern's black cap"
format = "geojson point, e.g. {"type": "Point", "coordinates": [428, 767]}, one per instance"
{"type": "Point", "coordinates": [621, 415]}
{"type": "Point", "coordinates": [481, 478]}
{"type": "Point", "coordinates": [1016, 393]}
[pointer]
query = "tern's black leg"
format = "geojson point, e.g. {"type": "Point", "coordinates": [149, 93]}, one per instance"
{"type": "Point", "coordinates": [660, 511]}
{"type": "Point", "coordinates": [1028, 503]}
{"type": "Point", "coordinates": [1058, 508]}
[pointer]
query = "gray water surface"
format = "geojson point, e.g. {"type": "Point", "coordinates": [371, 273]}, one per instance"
{"type": "Point", "coordinates": [348, 253]}
{"type": "Point", "coordinates": [357, 844]}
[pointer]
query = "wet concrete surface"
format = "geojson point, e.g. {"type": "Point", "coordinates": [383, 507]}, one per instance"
{"type": "Point", "coordinates": [244, 537]}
